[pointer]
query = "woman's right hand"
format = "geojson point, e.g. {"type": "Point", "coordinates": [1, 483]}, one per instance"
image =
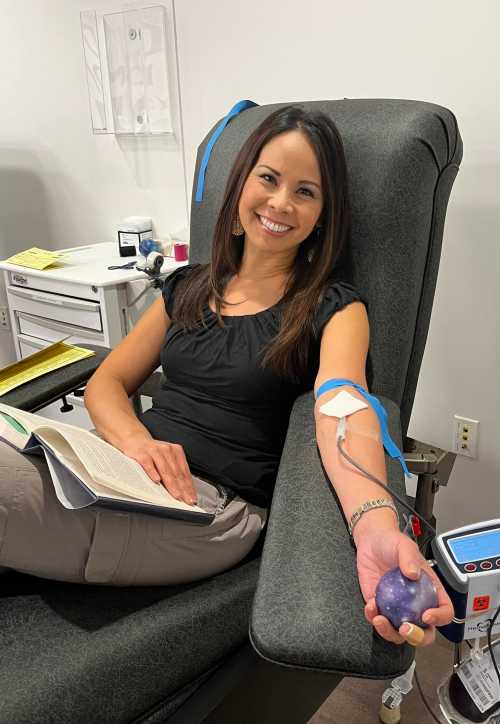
{"type": "Point", "coordinates": [165, 463]}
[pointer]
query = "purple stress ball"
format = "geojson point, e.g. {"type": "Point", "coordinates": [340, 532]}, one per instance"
{"type": "Point", "coordinates": [401, 600]}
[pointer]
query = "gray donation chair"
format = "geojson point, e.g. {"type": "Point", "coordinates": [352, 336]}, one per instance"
{"type": "Point", "coordinates": [270, 639]}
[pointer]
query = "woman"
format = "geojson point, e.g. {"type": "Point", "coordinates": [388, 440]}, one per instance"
{"type": "Point", "coordinates": [239, 339]}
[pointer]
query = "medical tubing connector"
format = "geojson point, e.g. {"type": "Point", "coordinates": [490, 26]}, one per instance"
{"type": "Point", "coordinates": [341, 436]}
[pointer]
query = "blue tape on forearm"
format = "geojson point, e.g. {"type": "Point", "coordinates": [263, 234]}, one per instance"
{"type": "Point", "coordinates": [390, 446]}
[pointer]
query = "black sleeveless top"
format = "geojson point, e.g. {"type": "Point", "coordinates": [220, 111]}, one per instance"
{"type": "Point", "coordinates": [229, 414]}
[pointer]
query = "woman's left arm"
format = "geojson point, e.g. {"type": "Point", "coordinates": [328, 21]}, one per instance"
{"type": "Point", "coordinates": [380, 544]}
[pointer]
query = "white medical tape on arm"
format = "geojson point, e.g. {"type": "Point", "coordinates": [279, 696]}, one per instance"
{"type": "Point", "coordinates": [342, 405]}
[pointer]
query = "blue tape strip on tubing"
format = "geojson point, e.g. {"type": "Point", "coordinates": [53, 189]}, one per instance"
{"type": "Point", "coordinates": [237, 108]}
{"type": "Point", "coordinates": [390, 446]}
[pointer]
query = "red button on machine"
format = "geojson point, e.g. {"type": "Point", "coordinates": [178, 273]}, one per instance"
{"type": "Point", "coordinates": [486, 565]}
{"type": "Point", "coordinates": [470, 567]}
{"type": "Point", "coordinates": [497, 562]}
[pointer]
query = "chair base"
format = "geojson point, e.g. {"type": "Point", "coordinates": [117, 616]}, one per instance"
{"type": "Point", "coordinates": [249, 690]}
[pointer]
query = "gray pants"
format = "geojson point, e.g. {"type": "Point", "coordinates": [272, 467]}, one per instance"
{"type": "Point", "coordinates": [100, 546]}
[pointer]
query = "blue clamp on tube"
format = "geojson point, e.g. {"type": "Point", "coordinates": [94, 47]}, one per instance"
{"type": "Point", "coordinates": [237, 108]}
{"type": "Point", "coordinates": [390, 446]}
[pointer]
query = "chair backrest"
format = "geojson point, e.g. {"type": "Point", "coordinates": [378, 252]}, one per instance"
{"type": "Point", "coordinates": [402, 159]}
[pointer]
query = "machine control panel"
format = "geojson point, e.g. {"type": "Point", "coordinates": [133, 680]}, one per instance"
{"type": "Point", "coordinates": [475, 550]}
{"type": "Point", "coordinates": [468, 563]}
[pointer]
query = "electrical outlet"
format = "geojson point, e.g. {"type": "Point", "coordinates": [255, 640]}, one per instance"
{"type": "Point", "coordinates": [465, 434]}
{"type": "Point", "coordinates": [4, 318]}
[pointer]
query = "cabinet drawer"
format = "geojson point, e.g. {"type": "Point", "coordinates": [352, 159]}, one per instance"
{"type": "Point", "coordinates": [78, 312]}
{"type": "Point", "coordinates": [53, 331]}
{"type": "Point", "coordinates": [30, 345]}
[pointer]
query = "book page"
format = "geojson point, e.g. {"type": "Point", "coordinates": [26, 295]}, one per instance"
{"type": "Point", "coordinates": [11, 432]}
{"type": "Point", "coordinates": [14, 427]}
{"type": "Point", "coordinates": [27, 419]}
{"type": "Point", "coordinates": [107, 466]}
{"type": "Point", "coordinates": [30, 421]}
{"type": "Point", "coordinates": [68, 476]}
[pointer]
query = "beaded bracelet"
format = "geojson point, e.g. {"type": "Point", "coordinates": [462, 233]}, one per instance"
{"type": "Point", "coordinates": [370, 505]}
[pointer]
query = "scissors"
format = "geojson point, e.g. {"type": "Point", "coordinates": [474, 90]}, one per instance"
{"type": "Point", "coordinates": [130, 265]}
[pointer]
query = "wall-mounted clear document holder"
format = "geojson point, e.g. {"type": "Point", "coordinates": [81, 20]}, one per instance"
{"type": "Point", "coordinates": [131, 69]}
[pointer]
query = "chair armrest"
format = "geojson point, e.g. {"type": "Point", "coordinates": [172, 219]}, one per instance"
{"type": "Point", "coordinates": [308, 608]}
{"type": "Point", "coordinates": [50, 387]}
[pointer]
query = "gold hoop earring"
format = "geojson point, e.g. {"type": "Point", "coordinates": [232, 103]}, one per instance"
{"type": "Point", "coordinates": [237, 228]}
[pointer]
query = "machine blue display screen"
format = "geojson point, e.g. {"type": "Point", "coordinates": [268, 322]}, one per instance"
{"type": "Point", "coordinates": [475, 547]}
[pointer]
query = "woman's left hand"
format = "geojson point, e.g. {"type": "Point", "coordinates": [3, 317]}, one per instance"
{"type": "Point", "coordinates": [377, 552]}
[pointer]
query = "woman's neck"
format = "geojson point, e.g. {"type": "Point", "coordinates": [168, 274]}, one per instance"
{"type": "Point", "coordinates": [265, 269]}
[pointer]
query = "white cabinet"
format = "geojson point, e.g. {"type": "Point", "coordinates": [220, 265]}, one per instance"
{"type": "Point", "coordinates": [80, 298]}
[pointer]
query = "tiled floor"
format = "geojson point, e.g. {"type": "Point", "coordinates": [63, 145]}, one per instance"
{"type": "Point", "coordinates": [357, 701]}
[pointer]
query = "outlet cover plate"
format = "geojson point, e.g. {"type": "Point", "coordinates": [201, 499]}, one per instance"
{"type": "Point", "coordinates": [465, 435]}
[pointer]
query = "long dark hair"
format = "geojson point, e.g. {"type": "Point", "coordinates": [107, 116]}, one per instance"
{"type": "Point", "coordinates": [317, 255]}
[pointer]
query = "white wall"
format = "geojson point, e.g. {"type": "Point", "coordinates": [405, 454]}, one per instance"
{"type": "Point", "coordinates": [60, 185]}
{"type": "Point", "coordinates": [65, 186]}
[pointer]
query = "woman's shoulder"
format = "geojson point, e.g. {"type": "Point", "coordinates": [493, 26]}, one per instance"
{"type": "Point", "coordinates": [336, 295]}
{"type": "Point", "coordinates": [171, 282]}
{"type": "Point", "coordinates": [181, 273]}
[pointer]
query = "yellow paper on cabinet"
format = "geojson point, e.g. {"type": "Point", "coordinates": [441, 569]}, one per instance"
{"type": "Point", "coordinates": [36, 258]}
{"type": "Point", "coordinates": [40, 363]}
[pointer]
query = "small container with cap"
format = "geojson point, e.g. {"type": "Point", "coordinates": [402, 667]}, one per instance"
{"type": "Point", "coordinates": [180, 239]}
{"type": "Point", "coordinates": [131, 231]}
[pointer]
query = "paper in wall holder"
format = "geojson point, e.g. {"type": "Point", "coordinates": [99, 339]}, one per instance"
{"type": "Point", "coordinates": [131, 69]}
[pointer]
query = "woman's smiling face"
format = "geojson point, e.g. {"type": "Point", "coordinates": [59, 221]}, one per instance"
{"type": "Point", "coordinates": [282, 200]}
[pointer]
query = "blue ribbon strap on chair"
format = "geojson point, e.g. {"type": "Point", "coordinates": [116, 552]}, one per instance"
{"type": "Point", "coordinates": [237, 108]}
{"type": "Point", "coordinates": [390, 446]}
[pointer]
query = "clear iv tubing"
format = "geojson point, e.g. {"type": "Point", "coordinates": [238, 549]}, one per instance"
{"type": "Point", "coordinates": [341, 430]}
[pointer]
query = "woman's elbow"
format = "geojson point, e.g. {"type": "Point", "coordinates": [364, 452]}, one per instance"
{"type": "Point", "coordinates": [102, 382]}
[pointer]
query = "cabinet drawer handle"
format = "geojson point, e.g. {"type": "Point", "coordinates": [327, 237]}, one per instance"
{"type": "Point", "coordinates": [48, 299]}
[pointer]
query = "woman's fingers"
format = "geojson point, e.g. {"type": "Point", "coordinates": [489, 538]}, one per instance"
{"type": "Point", "coordinates": [170, 462]}
{"type": "Point", "coordinates": [383, 627]}
{"type": "Point", "coordinates": [443, 614]}
{"type": "Point", "coordinates": [167, 477]}
{"type": "Point", "coordinates": [381, 624]}
{"type": "Point", "coordinates": [417, 636]}
{"type": "Point", "coordinates": [408, 563]}
{"type": "Point", "coordinates": [185, 474]}
{"type": "Point", "coordinates": [409, 558]}
{"type": "Point", "coordinates": [438, 616]}
{"type": "Point", "coordinates": [165, 463]}
{"type": "Point", "coordinates": [406, 632]}
{"type": "Point", "coordinates": [370, 610]}
{"type": "Point", "coordinates": [150, 469]}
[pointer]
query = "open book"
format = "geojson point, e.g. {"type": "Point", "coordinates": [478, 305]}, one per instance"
{"type": "Point", "coordinates": [86, 470]}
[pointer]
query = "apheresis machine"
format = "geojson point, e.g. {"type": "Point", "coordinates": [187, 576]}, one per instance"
{"type": "Point", "coordinates": [467, 560]}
